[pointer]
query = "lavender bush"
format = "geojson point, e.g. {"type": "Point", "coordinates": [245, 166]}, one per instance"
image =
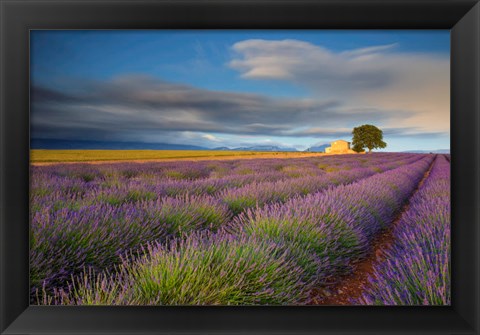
{"type": "Point", "coordinates": [203, 269]}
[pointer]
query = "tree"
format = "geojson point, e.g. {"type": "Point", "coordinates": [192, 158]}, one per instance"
{"type": "Point", "coordinates": [367, 136]}
{"type": "Point", "coordinates": [357, 148]}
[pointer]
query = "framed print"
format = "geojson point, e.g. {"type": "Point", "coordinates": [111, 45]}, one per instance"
{"type": "Point", "coordinates": [227, 167]}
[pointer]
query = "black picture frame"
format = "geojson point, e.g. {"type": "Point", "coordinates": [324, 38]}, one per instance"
{"type": "Point", "coordinates": [17, 17]}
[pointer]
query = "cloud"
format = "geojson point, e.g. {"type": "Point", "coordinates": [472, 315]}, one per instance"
{"type": "Point", "coordinates": [211, 138]}
{"type": "Point", "coordinates": [149, 109]}
{"type": "Point", "coordinates": [311, 65]}
{"type": "Point", "coordinates": [376, 76]}
{"type": "Point", "coordinates": [369, 50]}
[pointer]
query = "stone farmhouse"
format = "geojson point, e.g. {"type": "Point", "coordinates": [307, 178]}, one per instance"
{"type": "Point", "coordinates": [339, 147]}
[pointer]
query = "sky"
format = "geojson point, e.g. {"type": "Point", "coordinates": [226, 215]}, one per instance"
{"type": "Point", "coordinates": [234, 88]}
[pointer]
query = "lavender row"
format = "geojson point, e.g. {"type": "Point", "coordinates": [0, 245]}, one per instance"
{"type": "Point", "coordinates": [417, 268]}
{"type": "Point", "coordinates": [203, 269]}
{"type": "Point", "coordinates": [177, 170]}
{"type": "Point", "coordinates": [260, 194]}
{"type": "Point", "coordinates": [271, 255]}
{"type": "Point", "coordinates": [51, 185]}
{"type": "Point", "coordinates": [64, 242]}
{"type": "Point", "coordinates": [301, 169]}
{"type": "Point", "coordinates": [47, 187]}
{"type": "Point", "coordinates": [75, 194]}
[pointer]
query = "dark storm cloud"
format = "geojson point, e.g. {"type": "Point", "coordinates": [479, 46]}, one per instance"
{"type": "Point", "coordinates": [41, 94]}
{"type": "Point", "coordinates": [139, 106]}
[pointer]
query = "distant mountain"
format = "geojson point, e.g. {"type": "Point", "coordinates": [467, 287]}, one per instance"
{"type": "Point", "coordinates": [318, 148]}
{"type": "Point", "coordinates": [107, 145]}
{"type": "Point", "coordinates": [257, 148]}
{"type": "Point", "coordinates": [111, 145]}
{"type": "Point", "coordinates": [264, 148]}
{"type": "Point", "coordinates": [438, 151]}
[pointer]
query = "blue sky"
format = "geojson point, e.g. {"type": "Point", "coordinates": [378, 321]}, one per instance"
{"type": "Point", "coordinates": [236, 88]}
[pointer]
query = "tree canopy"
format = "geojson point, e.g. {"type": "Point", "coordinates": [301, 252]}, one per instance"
{"type": "Point", "coordinates": [367, 136]}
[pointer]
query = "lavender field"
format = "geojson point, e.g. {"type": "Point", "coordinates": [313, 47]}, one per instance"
{"type": "Point", "coordinates": [240, 232]}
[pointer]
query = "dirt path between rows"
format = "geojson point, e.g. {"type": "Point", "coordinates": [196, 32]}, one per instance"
{"type": "Point", "coordinates": [352, 286]}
